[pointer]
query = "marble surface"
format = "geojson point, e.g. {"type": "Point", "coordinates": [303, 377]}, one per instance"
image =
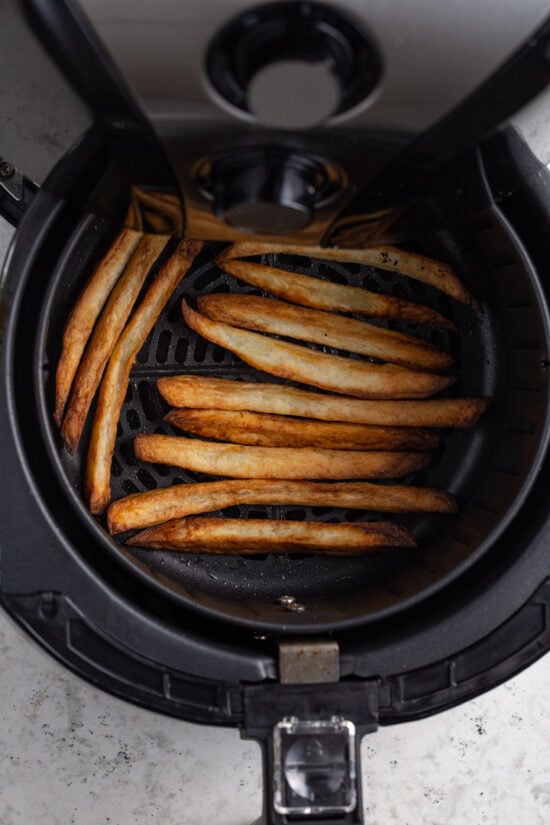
{"type": "Point", "coordinates": [73, 755]}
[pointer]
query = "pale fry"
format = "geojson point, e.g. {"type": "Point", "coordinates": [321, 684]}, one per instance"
{"type": "Point", "coordinates": [115, 379]}
{"type": "Point", "coordinates": [338, 331]}
{"type": "Point", "coordinates": [86, 311]}
{"type": "Point", "coordinates": [105, 335]}
{"type": "Point", "coordinates": [157, 506]}
{"type": "Point", "coordinates": [259, 429]}
{"type": "Point", "coordinates": [223, 394]}
{"type": "Point", "coordinates": [236, 461]}
{"type": "Point", "coordinates": [252, 536]}
{"type": "Point", "coordinates": [321, 294]}
{"type": "Point", "coordinates": [330, 372]}
{"type": "Point", "coordinates": [419, 267]}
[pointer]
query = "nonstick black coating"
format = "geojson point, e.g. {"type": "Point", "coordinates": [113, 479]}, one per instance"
{"type": "Point", "coordinates": [498, 355]}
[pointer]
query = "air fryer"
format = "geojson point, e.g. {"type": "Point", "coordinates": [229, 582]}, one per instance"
{"type": "Point", "coordinates": [376, 138]}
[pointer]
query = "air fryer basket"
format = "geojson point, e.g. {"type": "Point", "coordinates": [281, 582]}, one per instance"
{"type": "Point", "coordinates": [499, 354]}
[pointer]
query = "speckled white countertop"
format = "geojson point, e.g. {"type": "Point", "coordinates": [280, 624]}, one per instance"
{"type": "Point", "coordinates": [73, 755]}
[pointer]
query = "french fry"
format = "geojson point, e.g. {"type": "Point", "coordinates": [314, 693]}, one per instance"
{"type": "Point", "coordinates": [320, 294]}
{"type": "Point", "coordinates": [168, 197]}
{"type": "Point", "coordinates": [252, 536]}
{"type": "Point", "coordinates": [157, 222]}
{"type": "Point", "coordinates": [419, 267]}
{"type": "Point", "coordinates": [223, 394]}
{"type": "Point", "coordinates": [280, 318]}
{"type": "Point", "coordinates": [115, 379]}
{"type": "Point", "coordinates": [105, 335]}
{"type": "Point", "coordinates": [168, 207]}
{"type": "Point", "coordinates": [259, 429]}
{"type": "Point", "coordinates": [138, 217]}
{"type": "Point", "coordinates": [86, 311]}
{"type": "Point", "coordinates": [236, 461]}
{"type": "Point", "coordinates": [130, 219]}
{"type": "Point", "coordinates": [151, 507]}
{"type": "Point", "coordinates": [302, 364]}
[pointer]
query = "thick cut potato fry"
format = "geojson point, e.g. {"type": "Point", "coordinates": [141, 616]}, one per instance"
{"type": "Point", "coordinates": [302, 364]}
{"type": "Point", "coordinates": [236, 461]}
{"type": "Point", "coordinates": [319, 294]}
{"type": "Point", "coordinates": [115, 380]}
{"type": "Point", "coordinates": [235, 537]}
{"type": "Point", "coordinates": [165, 206]}
{"type": "Point", "coordinates": [157, 506]}
{"type": "Point", "coordinates": [261, 430]}
{"type": "Point", "coordinates": [223, 394]}
{"type": "Point", "coordinates": [86, 311]}
{"type": "Point", "coordinates": [280, 318]}
{"type": "Point", "coordinates": [390, 258]}
{"type": "Point", "coordinates": [105, 335]}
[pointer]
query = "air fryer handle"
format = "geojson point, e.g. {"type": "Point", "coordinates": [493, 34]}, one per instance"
{"type": "Point", "coordinates": [274, 782]}
{"type": "Point", "coordinates": [16, 192]}
{"type": "Point", "coordinates": [310, 735]}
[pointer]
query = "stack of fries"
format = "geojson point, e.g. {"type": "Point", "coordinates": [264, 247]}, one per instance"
{"type": "Point", "coordinates": [275, 444]}
{"type": "Point", "coordinates": [159, 212]}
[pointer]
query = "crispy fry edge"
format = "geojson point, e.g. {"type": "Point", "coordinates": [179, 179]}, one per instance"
{"type": "Point", "coordinates": [115, 380]}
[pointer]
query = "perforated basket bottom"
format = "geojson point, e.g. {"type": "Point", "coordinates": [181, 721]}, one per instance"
{"type": "Point", "coordinates": [173, 349]}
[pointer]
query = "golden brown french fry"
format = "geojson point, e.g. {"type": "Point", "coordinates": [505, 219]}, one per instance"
{"type": "Point", "coordinates": [86, 311]}
{"type": "Point", "coordinates": [105, 335]}
{"type": "Point", "coordinates": [261, 430]}
{"type": "Point", "coordinates": [130, 219]}
{"type": "Point", "coordinates": [320, 294]}
{"type": "Point", "coordinates": [235, 537]}
{"type": "Point", "coordinates": [156, 506]}
{"type": "Point", "coordinates": [419, 267]}
{"type": "Point", "coordinates": [138, 217]}
{"type": "Point", "coordinates": [330, 372]}
{"type": "Point", "coordinates": [115, 380]}
{"type": "Point", "coordinates": [169, 198]}
{"type": "Point", "coordinates": [157, 222]}
{"type": "Point", "coordinates": [154, 201]}
{"type": "Point", "coordinates": [280, 318]}
{"type": "Point", "coordinates": [236, 461]}
{"type": "Point", "coordinates": [223, 394]}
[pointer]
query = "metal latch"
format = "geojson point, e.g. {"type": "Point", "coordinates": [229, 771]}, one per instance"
{"type": "Point", "coordinates": [11, 180]}
{"type": "Point", "coordinates": [309, 662]}
{"type": "Point", "coordinates": [16, 192]}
